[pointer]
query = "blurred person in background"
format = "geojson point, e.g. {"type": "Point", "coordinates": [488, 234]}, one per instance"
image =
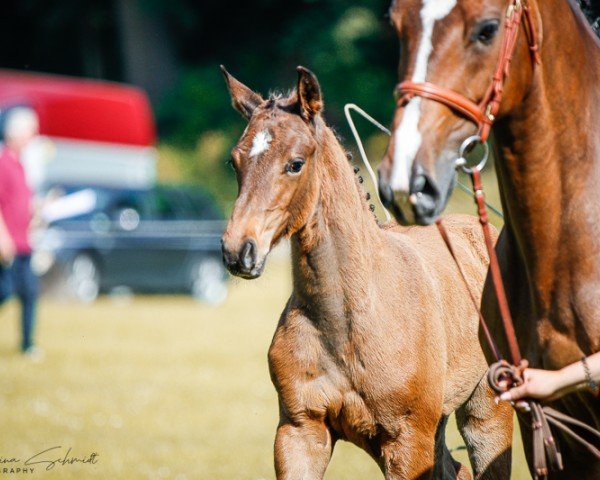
{"type": "Point", "coordinates": [16, 276]}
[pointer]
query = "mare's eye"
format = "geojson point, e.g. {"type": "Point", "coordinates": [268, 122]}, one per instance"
{"type": "Point", "coordinates": [229, 163]}
{"type": "Point", "coordinates": [486, 31]}
{"type": "Point", "coordinates": [294, 166]}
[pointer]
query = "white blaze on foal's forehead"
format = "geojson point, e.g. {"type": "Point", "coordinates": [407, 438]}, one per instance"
{"type": "Point", "coordinates": [260, 143]}
{"type": "Point", "coordinates": [407, 138]}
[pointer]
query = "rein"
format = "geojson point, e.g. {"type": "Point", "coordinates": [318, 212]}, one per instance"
{"type": "Point", "coordinates": [502, 375]}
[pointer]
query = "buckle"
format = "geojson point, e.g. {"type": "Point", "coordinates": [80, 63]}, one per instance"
{"type": "Point", "coordinates": [467, 146]}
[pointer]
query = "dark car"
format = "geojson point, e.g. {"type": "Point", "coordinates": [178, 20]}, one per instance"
{"type": "Point", "coordinates": [166, 239]}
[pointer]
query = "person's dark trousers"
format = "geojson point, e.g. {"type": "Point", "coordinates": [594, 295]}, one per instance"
{"type": "Point", "coordinates": [19, 279]}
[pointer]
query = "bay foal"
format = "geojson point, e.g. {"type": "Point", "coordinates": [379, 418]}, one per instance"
{"type": "Point", "coordinates": [378, 343]}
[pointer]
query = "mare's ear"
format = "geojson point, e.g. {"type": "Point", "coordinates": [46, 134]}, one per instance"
{"type": "Point", "coordinates": [243, 99]}
{"type": "Point", "coordinates": [309, 94]}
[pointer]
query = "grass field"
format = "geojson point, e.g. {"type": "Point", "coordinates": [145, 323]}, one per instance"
{"type": "Point", "coordinates": [158, 387]}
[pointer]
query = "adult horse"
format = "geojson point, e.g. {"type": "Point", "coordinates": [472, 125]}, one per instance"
{"type": "Point", "coordinates": [378, 342]}
{"type": "Point", "coordinates": [547, 162]}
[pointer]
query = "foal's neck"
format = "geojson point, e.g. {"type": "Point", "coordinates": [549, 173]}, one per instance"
{"type": "Point", "coordinates": [333, 252]}
{"type": "Point", "coordinates": [549, 170]}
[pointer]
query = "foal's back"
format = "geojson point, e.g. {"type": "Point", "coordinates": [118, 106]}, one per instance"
{"type": "Point", "coordinates": [426, 243]}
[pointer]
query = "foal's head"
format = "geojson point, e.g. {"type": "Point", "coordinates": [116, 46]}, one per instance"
{"type": "Point", "coordinates": [274, 162]}
{"type": "Point", "coordinates": [453, 44]}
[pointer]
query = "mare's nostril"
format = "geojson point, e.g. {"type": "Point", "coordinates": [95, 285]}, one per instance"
{"type": "Point", "coordinates": [424, 198]}
{"type": "Point", "coordinates": [386, 193]}
{"type": "Point", "coordinates": [419, 183]}
{"type": "Point", "coordinates": [248, 255]}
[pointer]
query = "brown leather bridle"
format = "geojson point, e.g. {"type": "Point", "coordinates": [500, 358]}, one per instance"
{"type": "Point", "coordinates": [483, 114]}
{"type": "Point", "coordinates": [502, 374]}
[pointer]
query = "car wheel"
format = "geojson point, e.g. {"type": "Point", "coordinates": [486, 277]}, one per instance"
{"type": "Point", "coordinates": [208, 281]}
{"type": "Point", "coordinates": [83, 278]}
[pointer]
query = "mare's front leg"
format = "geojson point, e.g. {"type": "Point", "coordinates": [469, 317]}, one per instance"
{"type": "Point", "coordinates": [302, 449]}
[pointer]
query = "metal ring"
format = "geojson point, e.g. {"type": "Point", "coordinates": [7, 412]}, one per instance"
{"type": "Point", "coordinates": [467, 145]}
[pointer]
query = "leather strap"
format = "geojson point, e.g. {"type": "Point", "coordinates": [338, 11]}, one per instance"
{"type": "Point", "coordinates": [546, 456]}
{"type": "Point", "coordinates": [562, 422]}
{"type": "Point", "coordinates": [505, 314]}
{"type": "Point", "coordinates": [448, 97]}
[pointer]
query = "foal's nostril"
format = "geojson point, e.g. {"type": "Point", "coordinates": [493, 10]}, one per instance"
{"type": "Point", "coordinates": [248, 255]}
{"type": "Point", "coordinates": [226, 255]}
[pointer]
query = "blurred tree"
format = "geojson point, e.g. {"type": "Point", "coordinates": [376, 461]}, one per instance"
{"type": "Point", "coordinates": [147, 53]}
{"type": "Point", "coordinates": [173, 49]}
{"type": "Point", "coordinates": [347, 43]}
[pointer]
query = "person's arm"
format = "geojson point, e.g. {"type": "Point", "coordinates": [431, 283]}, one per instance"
{"type": "Point", "coordinates": [552, 384]}
{"type": "Point", "coordinates": [7, 246]}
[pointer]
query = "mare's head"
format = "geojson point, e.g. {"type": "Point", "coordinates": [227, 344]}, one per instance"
{"type": "Point", "coordinates": [274, 162]}
{"type": "Point", "coordinates": [453, 44]}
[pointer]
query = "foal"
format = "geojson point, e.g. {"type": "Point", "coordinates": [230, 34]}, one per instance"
{"type": "Point", "coordinates": [368, 350]}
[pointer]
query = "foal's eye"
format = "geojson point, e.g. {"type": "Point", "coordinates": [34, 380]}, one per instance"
{"type": "Point", "coordinates": [294, 166]}
{"type": "Point", "coordinates": [486, 31]}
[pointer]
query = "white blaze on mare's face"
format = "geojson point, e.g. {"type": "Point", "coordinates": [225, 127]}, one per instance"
{"type": "Point", "coordinates": [261, 143]}
{"type": "Point", "coordinates": [407, 138]}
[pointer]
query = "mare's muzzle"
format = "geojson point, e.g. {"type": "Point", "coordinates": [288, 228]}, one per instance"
{"type": "Point", "coordinates": [420, 205]}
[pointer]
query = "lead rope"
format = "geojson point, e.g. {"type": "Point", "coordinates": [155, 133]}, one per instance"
{"type": "Point", "coordinates": [363, 155]}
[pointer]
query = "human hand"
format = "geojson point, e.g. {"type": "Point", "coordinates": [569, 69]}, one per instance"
{"type": "Point", "coordinates": [540, 384]}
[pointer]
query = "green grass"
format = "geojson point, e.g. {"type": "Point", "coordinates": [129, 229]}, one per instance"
{"type": "Point", "coordinates": [159, 387]}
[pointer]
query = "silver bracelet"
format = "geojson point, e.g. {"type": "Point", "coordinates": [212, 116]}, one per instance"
{"type": "Point", "coordinates": [588, 374]}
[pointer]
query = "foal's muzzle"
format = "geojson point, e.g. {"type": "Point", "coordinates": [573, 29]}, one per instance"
{"type": "Point", "coordinates": [244, 262]}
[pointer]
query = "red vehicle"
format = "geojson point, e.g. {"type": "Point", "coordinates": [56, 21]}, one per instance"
{"type": "Point", "coordinates": [100, 133]}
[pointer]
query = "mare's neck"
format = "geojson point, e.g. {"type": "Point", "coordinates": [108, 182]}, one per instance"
{"type": "Point", "coordinates": [549, 169]}
{"type": "Point", "coordinates": [333, 253]}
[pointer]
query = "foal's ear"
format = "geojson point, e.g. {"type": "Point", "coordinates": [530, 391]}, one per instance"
{"type": "Point", "coordinates": [309, 94]}
{"type": "Point", "coordinates": [243, 99]}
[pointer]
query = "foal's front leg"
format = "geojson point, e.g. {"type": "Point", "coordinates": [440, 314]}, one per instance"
{"type": "Point", "coordinates": [302, 449]}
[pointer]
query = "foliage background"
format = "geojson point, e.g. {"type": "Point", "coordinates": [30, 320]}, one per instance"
{"type": "Point", "coordinates": [172, 49]}
{"type": "Point", "coordinates": [348, 44]}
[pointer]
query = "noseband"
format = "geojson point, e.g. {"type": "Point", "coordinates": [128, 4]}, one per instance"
{"type": "Point", "coordinates": [483, 114]}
